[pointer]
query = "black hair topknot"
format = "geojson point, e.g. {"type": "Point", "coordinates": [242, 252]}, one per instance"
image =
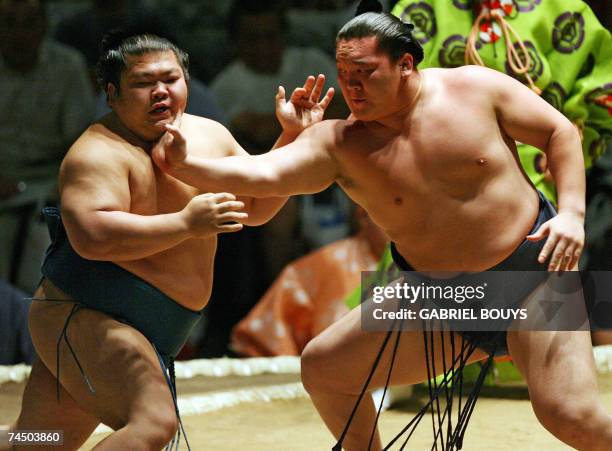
{"type": "Point", "coordinates": [369, 6]}
{"type": "Point", "coordinates": [113, 39]}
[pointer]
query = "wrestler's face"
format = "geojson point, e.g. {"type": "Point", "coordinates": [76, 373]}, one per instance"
{"type": "Point", "coordinates": [369, 80]}
{"type": "Point", "coordinates": [153, 91]}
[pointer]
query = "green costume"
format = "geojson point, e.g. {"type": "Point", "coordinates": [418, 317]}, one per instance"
{"type": "Point", "coordinates": [385, 271]}
{"type": "Point", "coordinates": [570, 53]}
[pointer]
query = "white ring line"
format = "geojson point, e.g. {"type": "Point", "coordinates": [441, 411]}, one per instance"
{"type": "Point", "coordinates": [210, 402]}
{"type": "Point", "coordinates": [258, 365]}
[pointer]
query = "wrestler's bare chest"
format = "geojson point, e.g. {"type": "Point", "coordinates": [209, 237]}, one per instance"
{"type": "Point", "coordinates": [428, 162]}
{"type": "Point", "coordinates": [155, 192]}
{"type": "Point", "coordinates": [441, 180]}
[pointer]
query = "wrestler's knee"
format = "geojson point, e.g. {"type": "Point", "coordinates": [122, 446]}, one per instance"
{"type": "Point", "coordinates": [569, 420]}
{"type": "Point", "coordinates": [165, 429]}
{"type": "Point", "coordinates": [323, 370]}
{"type": "Point", "coordinates": [155, 427]}
{"type": "Point", "coordinates": [313, 367]}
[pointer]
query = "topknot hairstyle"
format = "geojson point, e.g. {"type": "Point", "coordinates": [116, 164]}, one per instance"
{"type": "Point", "coordinates": [394, 36]}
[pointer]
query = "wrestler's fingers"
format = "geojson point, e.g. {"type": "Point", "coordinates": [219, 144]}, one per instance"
{"type": "Point", "coordinates": [164, 140]}
{"type": "Point", "coordinates": [230, 206]}
{"type": "Point", "coordinates": [564, 262]}
{"type": "Point", "coordinates": [547, 248]}
{"type": "Point", "coordinates": [227, 228]}
{"type": "Point", "coordinates": [309, 84]}
{"type": "Point", "coordinates": [299, 97]}
{"type": "Point", "coordinates": [318, 88]}
{"type": "Point", "coordinates": [575, 256]}
{"type": "Point", "coordinates": [556, 260]}
{"type": "Point", "coordinates": [232, 216]}
{"type": "Point", "coordinates": [159, 157]}
{"type": "Point", "coordinates": [541, 233]}
{"type": "Point", "coordinates": [280, 96]}
{"type": "Point", "coordinates": [176, 133]}
{"type": "Point", "coordinates": [222, 197]}
{"type": "Point", "coordinates": [328, 97]}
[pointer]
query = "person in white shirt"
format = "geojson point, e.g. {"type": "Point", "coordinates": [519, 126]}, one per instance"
{"type": "Point", "coordinates": [262, 63]}
{"type": "Point", "coordinates": [47, 98]}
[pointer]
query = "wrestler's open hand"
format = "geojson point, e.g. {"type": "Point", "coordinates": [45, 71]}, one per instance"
{"type": "Point", "coordinates": [209, 214]}
{"type": "Point", "coordinates": [171, 149]}
{"type": "Point", "coordinates": [565, 241]}
{"type": "Point", "coordinates": [303, 108]}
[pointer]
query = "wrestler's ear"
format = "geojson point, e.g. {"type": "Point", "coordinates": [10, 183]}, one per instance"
{"type": "Point", "coordinates": [111, 94]}
{"type": "Point", "coordinates": [406, 64]}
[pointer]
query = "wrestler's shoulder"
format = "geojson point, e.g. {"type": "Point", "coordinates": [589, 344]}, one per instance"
{"type": "Point", "coordinates": [336, 135]}
{"type": "Point", "coordinates": [96, 144]}
{"type": "Point", "coordinates": [198, 125]}
{"type": "Point", "coordinates": [207, 137]}
{"type": "Point", "coordinates": [470, 76]}
{"type": "Point", "coordinates": [331, 127]}
{"type": "Point", "coordinates": [462, 71]}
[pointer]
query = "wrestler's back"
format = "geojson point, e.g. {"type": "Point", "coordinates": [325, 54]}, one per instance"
{"type": "Point", "coordinates": [448, 189]}
{"type": "Point", "coordinates": [185, 271]}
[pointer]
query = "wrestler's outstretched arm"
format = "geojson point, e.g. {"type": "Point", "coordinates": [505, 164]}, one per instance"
{"type": "Point", "coordinates": [305, 166]}
{"type": "Point", "coordinates": [96, 201]}
{"type": "Point", "coordinates": [527, 118]}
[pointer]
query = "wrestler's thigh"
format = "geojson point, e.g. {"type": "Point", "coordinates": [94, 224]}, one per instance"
{"type": "Point", "coordinates": [345, 351]}
{"type": "Point", "coordinates": [120, 363]}
{"type": "Point", "coordinates": [556, 364]}
{"type": "Point", "coordinates": [41, 410]}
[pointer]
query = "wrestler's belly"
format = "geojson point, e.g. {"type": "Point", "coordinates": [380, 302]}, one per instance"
{"type": "Point", "coordinates": [184, 273]}
{"type": "Point", "coordinates": [469, 237]}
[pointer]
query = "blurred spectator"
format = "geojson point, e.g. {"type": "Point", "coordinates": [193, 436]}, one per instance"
{"type": "Point", "coordinates": [84, 29]}
{"type": "Point", "coordinates": [309, 294]}
{"type": "Point", "coordinates": [316, 23]}
{"type": "Point", "coordinates": [46, 97]}
{"type": "Point", "coordinates": [263, 63]}
{"type": "Point", "coordinates": [15, 342]}
{"type": "Point", "coordinates": [202, 33]}
{"type": "Point", "coordinates": [46, 101]}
